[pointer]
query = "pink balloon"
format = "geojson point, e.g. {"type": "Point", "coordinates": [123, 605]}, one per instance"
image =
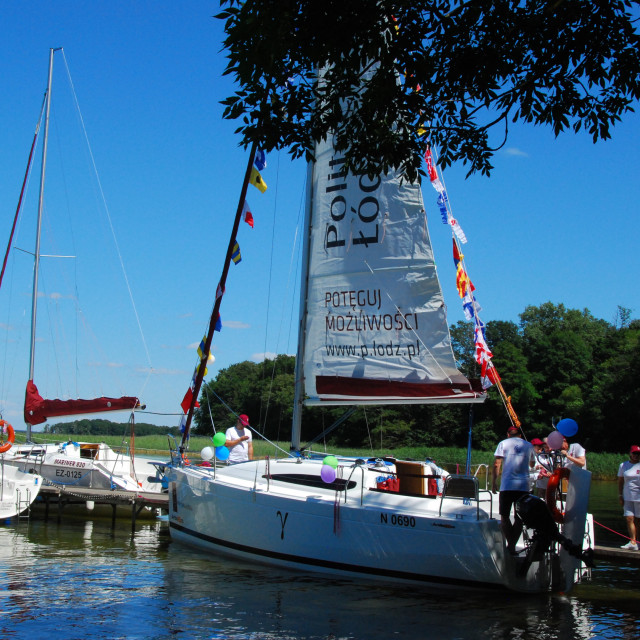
{"type": "Point", "coordinates": [327, 473]}
{"type": "Point", "coordinates": [554, 440]}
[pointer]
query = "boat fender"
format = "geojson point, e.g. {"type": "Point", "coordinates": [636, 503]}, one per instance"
{"type": "Point", "coordinates": [555, 480]}
{"type": "Point", "coordinates": [11, 436]}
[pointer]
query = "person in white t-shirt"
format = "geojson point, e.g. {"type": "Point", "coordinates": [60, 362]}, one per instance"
{"type": "Point", "coordinates": [629, 490]}
{"type": "Point", "coordinates": [574, 454]}
{"type": "Point", "coordinates": [514, 457]}
{"type": "Point", "coordinates": [239, 441]}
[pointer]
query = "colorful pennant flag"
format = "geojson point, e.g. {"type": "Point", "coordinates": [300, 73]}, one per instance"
{"type": "Point", "coordinates": [442, 204]}
{"type": "Point", "coordinates": [491, 378]}
{"type": "Point", "coordinates": [463, 283]}
{"type": "Point", "coordinates": [260, 160]}
{"type": "Point", "coordinates": [235, 256]}
{"type": "Point", "coordinates": [201, 347]}
{"type": "Point", "coordinates": [247, 215]}
{"type": "Point", "coordinates": [218, 326]}
{"type": "Point", "coordinates": [433, 172]}
{"type": "Point", "coordinates": [219, 291]}
{"type": "Point", "coordinates": [457, 229]}
{"type": "Point", "coordinates": [470, 306]}
{"type": "Point", "coordinates": [188, 396]}
{"type": "Point", "coordinates": [257, 181]}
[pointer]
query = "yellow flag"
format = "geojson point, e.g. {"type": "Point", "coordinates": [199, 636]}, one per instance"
{"type": "Point", "coordinates": [257, 181]}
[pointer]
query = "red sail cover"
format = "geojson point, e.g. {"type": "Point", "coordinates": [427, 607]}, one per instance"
{"type": "Point", "coordinates": [37, 410]}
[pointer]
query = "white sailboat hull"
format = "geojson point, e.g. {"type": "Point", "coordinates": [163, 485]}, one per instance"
{"type": "Point", "coordinates": [237, 511]}
{"type": "Point", "coordinates": [87, 465]}
{"type": "Point", "coordinates": [18, 490]}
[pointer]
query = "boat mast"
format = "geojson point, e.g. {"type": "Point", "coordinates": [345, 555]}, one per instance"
{"type": "Point", "coordinates": [296, 425]}
{"type": "Point", "coordinates": [216, 307]}
{"type": "Point", "coordinates": [36, 260]}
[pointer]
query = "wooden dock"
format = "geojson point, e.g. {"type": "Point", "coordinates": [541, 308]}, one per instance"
{"type": "Point", "coordinates": [615, 553]}
{"type": "Point", "coordinates": [135, 503]}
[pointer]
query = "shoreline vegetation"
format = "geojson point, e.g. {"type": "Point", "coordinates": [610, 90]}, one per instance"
{"type": "Point", "coordinates": [604, 466]}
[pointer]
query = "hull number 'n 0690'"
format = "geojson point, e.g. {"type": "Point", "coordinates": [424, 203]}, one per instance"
{"type": "Point", "coordinates": [398, 521]}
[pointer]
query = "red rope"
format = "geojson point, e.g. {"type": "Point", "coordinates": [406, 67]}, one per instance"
{"type": "Point", "coordinates": [612, 530]}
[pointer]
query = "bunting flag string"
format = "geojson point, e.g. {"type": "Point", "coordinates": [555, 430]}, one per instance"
{"type": "Point", "coordinates": [259, 164]}
{"type": "Point", "coordinates": [470, 306]}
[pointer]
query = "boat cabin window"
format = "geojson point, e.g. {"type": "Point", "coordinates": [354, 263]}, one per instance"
{"type": "Point", "coordinates": [89, 451]}
{"type": "Point", "coordinates": [305, 480]}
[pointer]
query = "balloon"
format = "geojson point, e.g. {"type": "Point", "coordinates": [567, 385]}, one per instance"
{"type": "Point", "coordinates": [332, 461]}
{"type": "Point", "coordinates": [327, 473]}
{"type": "Point", "coordinates": [222, 453]}
{"type": "Point", "coordinates": [207, 453]}
{"type": "Point", "coordinates": [567, 427]}
{"type": "Point", "coordinates": [219, 439]}
{"type": "Point", "coordinates": [554, 440]}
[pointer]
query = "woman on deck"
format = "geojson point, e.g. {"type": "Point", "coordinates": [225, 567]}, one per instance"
{"type": "Point", "coordinates": [629, 490]}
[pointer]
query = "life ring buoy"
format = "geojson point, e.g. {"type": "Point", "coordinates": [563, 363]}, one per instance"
{"type": "Point", "coordinates": [555, 480]}
{"type": "Point", "coordinates": [11, 436]}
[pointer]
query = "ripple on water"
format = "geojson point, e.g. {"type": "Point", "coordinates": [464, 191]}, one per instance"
{"type": "Point", "coordinates": [80, 579]}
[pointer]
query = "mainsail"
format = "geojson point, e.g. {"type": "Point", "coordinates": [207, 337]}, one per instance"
{"type": "Point", "coordinates": [376, 328]}
{"type": "Point", "coordinates": [37, 410]}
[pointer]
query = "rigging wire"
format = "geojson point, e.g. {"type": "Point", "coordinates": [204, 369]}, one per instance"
{"type": "Point", "coordinates": [113, 234]}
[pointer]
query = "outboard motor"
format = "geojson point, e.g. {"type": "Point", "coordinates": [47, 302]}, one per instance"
{"type": "Point", "coordinates": [535, 514]}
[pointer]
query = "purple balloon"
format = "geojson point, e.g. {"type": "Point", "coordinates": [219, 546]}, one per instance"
{"type": "Point", "coordinates": [327, 473]}
{"type": "Point", "coordinates": [554, 440]}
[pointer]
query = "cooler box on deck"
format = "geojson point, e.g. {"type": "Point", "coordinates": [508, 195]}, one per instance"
{"type": "Point", "coordinates": [412, 479]}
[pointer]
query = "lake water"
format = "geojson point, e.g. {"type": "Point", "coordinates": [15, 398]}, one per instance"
{"type": "Point", "coordinates": [81, 579]}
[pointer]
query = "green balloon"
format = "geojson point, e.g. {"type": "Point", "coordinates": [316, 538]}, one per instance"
{"type": "Point", "coordinates": [332, 461]}
{"type": "Point", "coordinates": [219, 439]}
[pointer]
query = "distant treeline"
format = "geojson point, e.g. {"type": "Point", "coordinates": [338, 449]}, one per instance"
{"type": "Point", "coordinates": [555, 363]}
{"type": "Point", "coordinates": [107, 428]}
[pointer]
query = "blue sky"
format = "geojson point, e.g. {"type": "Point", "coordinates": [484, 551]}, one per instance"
{"type": "Point", "coordinates": [557, 220]}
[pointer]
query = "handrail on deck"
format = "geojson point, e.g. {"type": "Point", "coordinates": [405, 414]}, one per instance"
{"type": "Point", "coordinates": [461, 487]}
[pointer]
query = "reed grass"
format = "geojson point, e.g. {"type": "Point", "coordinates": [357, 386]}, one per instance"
{"type": "Point", "coordinates": [604, 466]}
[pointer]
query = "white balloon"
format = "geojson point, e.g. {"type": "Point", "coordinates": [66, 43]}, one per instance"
{"type": "Point", "coordinates": [207, 453]}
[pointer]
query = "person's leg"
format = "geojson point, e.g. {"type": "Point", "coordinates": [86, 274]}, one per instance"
{"type": "Point", "coordinates": [507, 499]}
{"type": "Point", "coordinates": [507, 531]}
{"type": "Point", "coordinates": [631, 524]}
{"type": "Point", "coordinates": [631, 528]}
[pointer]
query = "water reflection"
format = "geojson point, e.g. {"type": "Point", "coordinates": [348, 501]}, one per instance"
{"type": "Point", "coordinates": [82, 578]}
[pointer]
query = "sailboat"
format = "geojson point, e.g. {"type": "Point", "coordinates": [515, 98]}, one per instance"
{"type": "Point", "coordinates": [93, 465]}
{"type": "Point", "coordinates": [373, 330]}
{"type": "Point", "coordinates": [18, 490]}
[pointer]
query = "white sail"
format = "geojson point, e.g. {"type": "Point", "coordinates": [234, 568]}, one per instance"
{"type": "Point", "coordinates": [375, 327]}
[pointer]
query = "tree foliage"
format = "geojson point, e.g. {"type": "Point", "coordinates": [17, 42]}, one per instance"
{"type": "Point", "coordinates": [556, 363]}
{"type": "Point", "coordinates": [99, 427]}
{"type": "Point", "coordinates": [455, 73]}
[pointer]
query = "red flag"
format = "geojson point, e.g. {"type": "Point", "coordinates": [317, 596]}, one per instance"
{"type": "Point", "coordinates": [186, 401]}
